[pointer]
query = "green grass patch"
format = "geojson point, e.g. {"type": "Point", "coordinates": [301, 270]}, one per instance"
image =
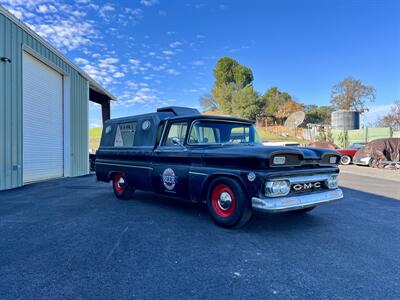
{"type": "Point", "coordinates": [94, 138]}
{"type": "Point", "coordinates": [268, 136]}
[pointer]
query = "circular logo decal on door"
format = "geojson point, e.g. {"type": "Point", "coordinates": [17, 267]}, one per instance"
{"type": "Point", "coordinates": [169, 179]}
{"type": "Point", "coordinates": [146, 125]}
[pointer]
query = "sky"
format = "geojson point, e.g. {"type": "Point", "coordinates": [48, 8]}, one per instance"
{"type": "Point", "coordinates": [153, 53]}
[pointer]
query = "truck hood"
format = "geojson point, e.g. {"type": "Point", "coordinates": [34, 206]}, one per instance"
{"type": "Point", "coordinates": [264, 152]}
{"type": "Point", "coordinates": [252, 155]}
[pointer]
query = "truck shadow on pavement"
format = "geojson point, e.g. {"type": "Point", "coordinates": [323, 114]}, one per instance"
{"type": "Point", "coordinates": [354, 203]}
{"type": "Point", "coordinates": [85, 196]}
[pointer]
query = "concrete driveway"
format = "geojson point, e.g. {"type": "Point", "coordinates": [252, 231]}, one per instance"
{"type": "Point", "coordinates": [70, 238]}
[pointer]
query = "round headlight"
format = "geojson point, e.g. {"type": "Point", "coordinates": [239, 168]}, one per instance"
{"type": "Point", "coordinates": [275, 189]}
{"type": "Point", "coordinates": [284, 187]}
{"type": "Point", "coordinates": [332, 182]}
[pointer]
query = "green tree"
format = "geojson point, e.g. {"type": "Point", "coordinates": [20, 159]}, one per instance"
{"type": "Point", "coordinates": [246, 103]}
{"type": "Point", "coordinates": [317, 115]}
{"type": "Point", "coordinates": [230, 78]}
{"type": "Point", "coordinates": [272, 100]}
{"type": "Point", "coordinates": [242, 76]}
{"type": "Point", "coordinates": [352, 94]}
{"type": "Point", "coordinates": [224, 71]}
{"type": "Point", "coordinates": [223, 96]}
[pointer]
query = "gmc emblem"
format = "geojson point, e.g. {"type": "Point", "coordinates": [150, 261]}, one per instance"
{"type": "Point", "coordinates": [306, 186]}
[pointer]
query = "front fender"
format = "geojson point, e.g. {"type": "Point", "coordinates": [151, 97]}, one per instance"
{"type": "Point", "coordinates": [200, 181]}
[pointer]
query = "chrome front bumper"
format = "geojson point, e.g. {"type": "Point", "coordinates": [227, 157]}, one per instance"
{"type": "Point", "coordinates": [288, 203]}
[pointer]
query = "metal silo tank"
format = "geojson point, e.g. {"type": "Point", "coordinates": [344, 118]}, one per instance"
{"type": "Point", "coordinates": [345, 119]}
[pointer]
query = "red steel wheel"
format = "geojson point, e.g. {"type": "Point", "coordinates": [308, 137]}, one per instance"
{"type": "Point", "coordinates": [119, 183]}
{"type": "Point", "coordinates": [121, 187]}
{"type": "Point", "coordinates": [228, 204]}
{"type": "Point", "coordinates": [223, 200]}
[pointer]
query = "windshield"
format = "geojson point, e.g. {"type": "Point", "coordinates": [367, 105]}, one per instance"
{"type": "Point", "coordinates": [216, 132]}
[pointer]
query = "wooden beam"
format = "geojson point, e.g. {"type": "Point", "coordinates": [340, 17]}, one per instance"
{"type": "Point", "coordinates": [104, 101]}
{"type": "Point", "coordinates": [105, 111]}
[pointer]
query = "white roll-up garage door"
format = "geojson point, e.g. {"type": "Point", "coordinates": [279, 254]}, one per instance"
{"type": "Point", "coordinates": [43, 153]}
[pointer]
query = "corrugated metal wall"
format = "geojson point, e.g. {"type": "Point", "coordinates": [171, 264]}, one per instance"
{"type": "Point", "coordinates": [12, 38]}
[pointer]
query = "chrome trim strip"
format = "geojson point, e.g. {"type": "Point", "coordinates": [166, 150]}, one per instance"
{"type": "Point", "coordinates": [121, 165]}
{"type": "Point", "coordinates": [303, 179]}
{"type": "Point", "coordinates": [288, 203]}
{"type": "Point", "coordinates": [196, 173]}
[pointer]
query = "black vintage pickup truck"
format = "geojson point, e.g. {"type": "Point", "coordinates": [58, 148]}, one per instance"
{"type": "Point", "coordinates": [220, 161]}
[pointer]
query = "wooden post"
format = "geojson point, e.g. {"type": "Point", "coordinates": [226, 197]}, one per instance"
{"type": "Point", "coordinates": [105, 111]}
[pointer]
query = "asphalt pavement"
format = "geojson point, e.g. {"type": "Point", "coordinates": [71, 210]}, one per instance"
{"type": "Point", "coordinates": [71, 239]}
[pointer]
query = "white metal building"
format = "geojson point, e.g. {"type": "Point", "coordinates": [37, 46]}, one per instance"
{"type": "Point", "coordinates": [43, 108]}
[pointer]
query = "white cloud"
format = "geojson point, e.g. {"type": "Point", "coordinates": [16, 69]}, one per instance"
{"type": "Point", "coordinates": [130, 15]}
{"type": "Point", "coordinates": [88, 31]}
{"type": "Point", "coordinates": [160, 67]}
{"type": "Point", "coordinates": [175, 44]}
{"type": "Point", "coordinates": [200, 36]}
{"type": "Point", "coordinates": [16, 12]}
{"type": "Point", "coordinates": [134, 61]}
{"type": "Point", "coordinates": [105, 70]}
{"type": "Point", "coordinates": [66, 34]}
{"type": "Point", "coordinates": [131, 84]}
{"type": "Point", "coordinates": [118, 75]}
{"type": "Point", "coordinates": [198, 62]}
{"type": "Point", "coordinates": [148, 2]}
{"type": "Point", "coordinates": [142, 95]}
{"type": "Point", "coordinates": [61, 24]}
{"type": "Point", "coordinates": [173, 72]}
{"type": "Point", "coordinates": [42, 8]}
{"type": "Point", "coordinates": [78, 14]}
{"type": "Point", "coordinates": [108, 61]}
{"type": "Point", "coordinates": [81, 61]}
{"type": "Point", "coordinates": [105, 10]}
{"type": "Point", "coordinates": [191, 91]}
{"type": "Point", "coordinates": [168, 52]}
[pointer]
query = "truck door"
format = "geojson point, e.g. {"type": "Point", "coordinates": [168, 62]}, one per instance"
{"type": "Point", "coordinates": [171, 162]}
